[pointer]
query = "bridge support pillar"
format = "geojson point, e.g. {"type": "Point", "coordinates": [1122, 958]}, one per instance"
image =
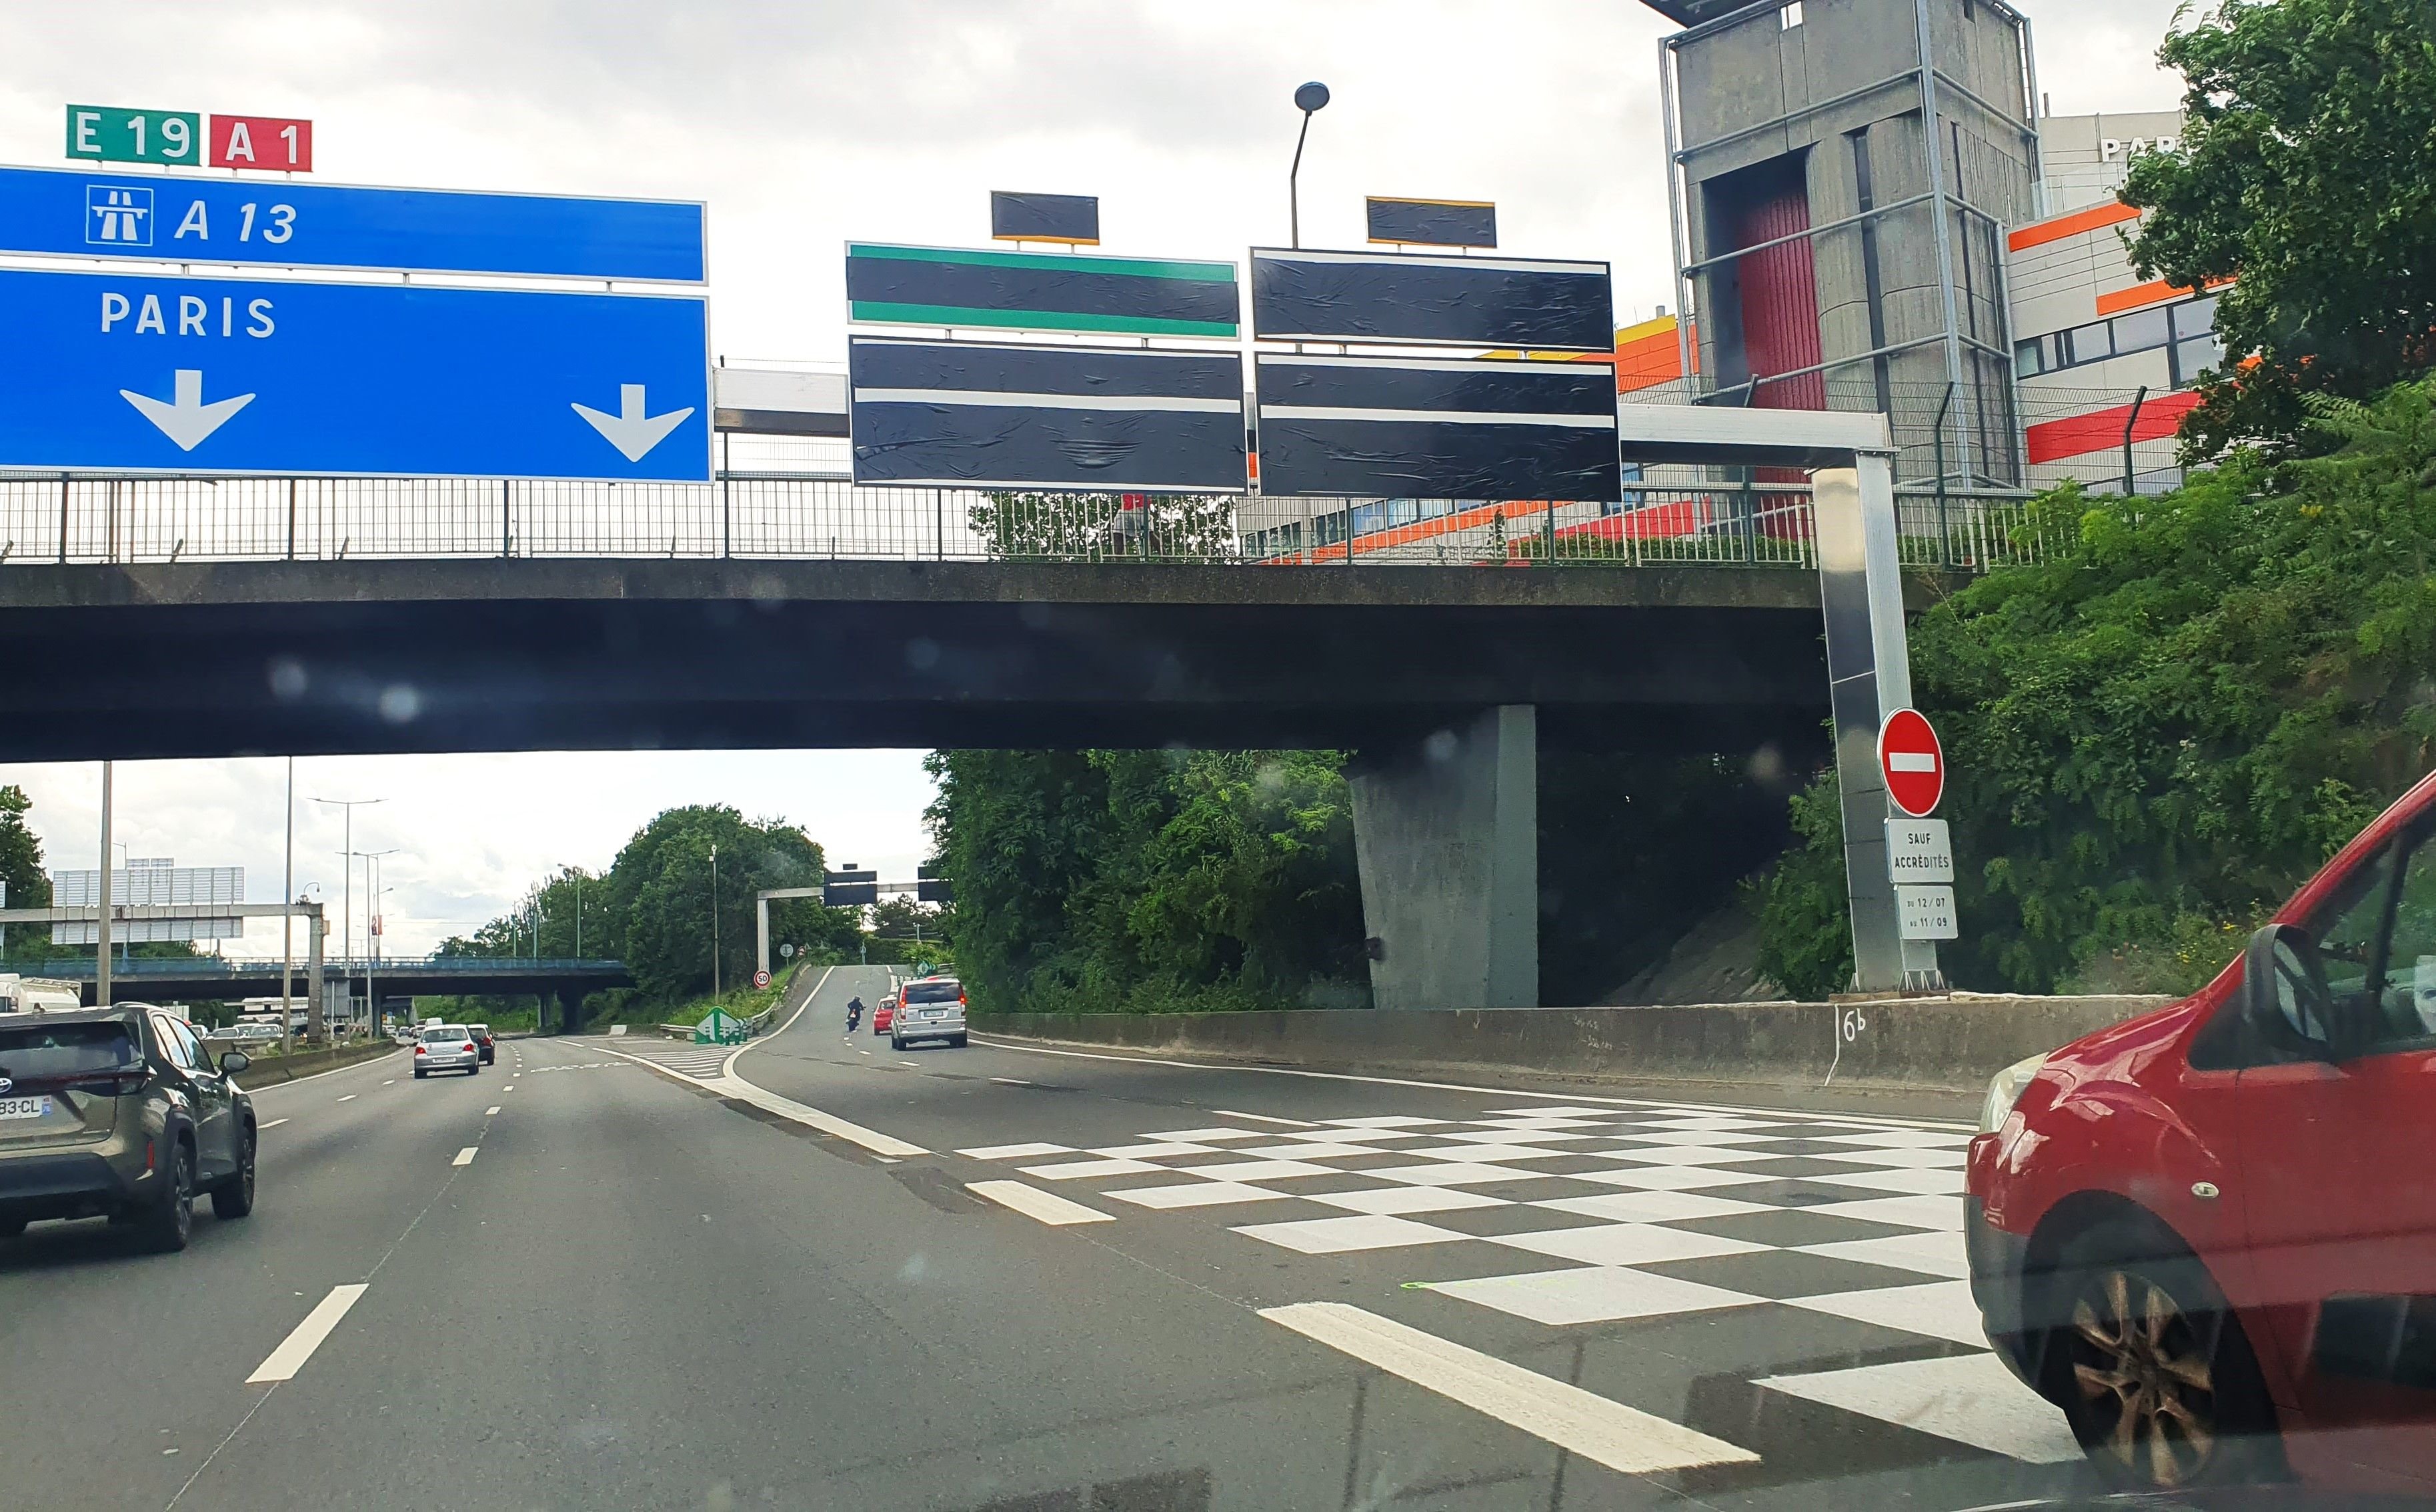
{"type": "Point", "coordinates": [570, 1010]}
{"type": "Point", "coordinates": [1446, 833]}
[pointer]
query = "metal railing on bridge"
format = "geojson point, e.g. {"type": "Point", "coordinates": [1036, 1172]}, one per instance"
{"type": "Point", "coordinates": [794, 499]}
{"type": "Point", "coordinates": [192, 969]}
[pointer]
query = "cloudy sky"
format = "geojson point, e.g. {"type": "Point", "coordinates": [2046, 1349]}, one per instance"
{"type": "Point", "coordinates": [802, 123]}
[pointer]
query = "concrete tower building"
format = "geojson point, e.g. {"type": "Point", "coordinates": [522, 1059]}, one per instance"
{"type": "Point", "coordinates": [1842, 176]}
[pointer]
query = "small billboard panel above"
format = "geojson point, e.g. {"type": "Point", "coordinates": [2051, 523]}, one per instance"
{"type": "Point", "coordinates": [1072, 219]}
{"type": "Point", "coordinates": [1432, 222]}
{"type": "Point", "coordinates": [1452, 300]}
{"type": "Point", "coordinates": [1424, 427]}
{"type": "Point", "coordinates": [974, 414]}
{"type": "Point", "coordinates": [1039, 292]}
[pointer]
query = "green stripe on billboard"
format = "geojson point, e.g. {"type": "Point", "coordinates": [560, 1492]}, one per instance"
{"type": "Point", "coordinates": [1040, 291]}
{"type": "Point", "coordinates": [884, 313]}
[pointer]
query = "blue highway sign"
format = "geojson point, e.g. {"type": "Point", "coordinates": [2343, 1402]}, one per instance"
{"type": "Point", "coordinates": [285, 224]}
{"type": "Point", "coordinates": [111, 372]}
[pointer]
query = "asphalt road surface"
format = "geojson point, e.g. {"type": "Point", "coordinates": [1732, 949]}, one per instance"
{"type": "Point", "coordinates": [819, 1272]}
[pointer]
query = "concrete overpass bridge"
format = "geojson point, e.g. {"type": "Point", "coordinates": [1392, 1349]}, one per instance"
{"type": "Point", "coordinates": [1441, 649]}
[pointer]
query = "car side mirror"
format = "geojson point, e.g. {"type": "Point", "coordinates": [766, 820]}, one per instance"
{"type": "Point", "coordinates": [234, 1062]}
{"type": "Point", "coordinates": [2285, 992]}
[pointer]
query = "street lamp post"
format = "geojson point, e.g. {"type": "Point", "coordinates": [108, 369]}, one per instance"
{"type": "Point", "coordinates": [1308, 99]}
{"type": "Point", "coordinates": [288, 925]}
{"type": "Point", "coordinates": [347, 895]}
{"type": "Point", "coordinates": [714, 923]}
{"type": "Point", "coordinates": [101, 930]}
{"type": "Point", "coordinates": [371, 914]}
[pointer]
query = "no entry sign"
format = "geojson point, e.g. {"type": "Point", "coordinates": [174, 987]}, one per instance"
{"type": "Point", "coordinates": [1912, 762]}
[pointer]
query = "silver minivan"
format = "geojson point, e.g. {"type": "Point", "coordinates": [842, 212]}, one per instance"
{"type": "Point", "coordinates": [929, 1008]}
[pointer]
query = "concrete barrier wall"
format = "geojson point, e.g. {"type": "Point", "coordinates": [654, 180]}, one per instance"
{"type": "Point", "coordinates": [1942, 1044]}
{"type": "Point", "coordinates": [269, 1071]}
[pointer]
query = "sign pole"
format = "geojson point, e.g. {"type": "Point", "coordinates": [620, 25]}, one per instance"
{"type": "Point", "coordinates": [1869, 673]}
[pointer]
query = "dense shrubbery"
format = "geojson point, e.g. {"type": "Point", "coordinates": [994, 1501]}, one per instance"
{"type": "Point", "coordinates": [2159, 731]}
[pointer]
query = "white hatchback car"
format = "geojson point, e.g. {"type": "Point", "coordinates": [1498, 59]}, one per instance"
{"type": "Point", "coordinates": [446, 1048]}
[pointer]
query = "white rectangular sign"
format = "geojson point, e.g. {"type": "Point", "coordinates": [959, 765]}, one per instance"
{"type": "Point", "coordinates": [1919, 850]}
{"type": "Point", "coordinates": [1927, 912]}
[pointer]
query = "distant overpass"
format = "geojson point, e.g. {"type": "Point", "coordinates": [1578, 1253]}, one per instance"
{"type": "Point", "coordinates": [143, 979]}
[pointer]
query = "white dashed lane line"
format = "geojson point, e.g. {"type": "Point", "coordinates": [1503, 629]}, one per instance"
{"type": "Point", "coordinates": [274, 1124]}
{"type": "Point", "coordinates": [350, 1097]}
{"type": "Point", "coordinates": [283, 1362]}
{"type": "Point", "coordinates": [490, 1112]}
{"type": "Point", "coordinates": [466, 1156]}
{"type": "Point", "coordinates": [392, 1081]}
{"type": "Point", "coordinates": [1010, 1080]}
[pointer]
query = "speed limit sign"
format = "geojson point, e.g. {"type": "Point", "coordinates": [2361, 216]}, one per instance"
{"type": "Point", "coordinates": [760, 978]}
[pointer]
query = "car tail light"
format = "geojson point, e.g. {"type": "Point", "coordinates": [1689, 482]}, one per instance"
{"type": "Point", "coordinates": [418, 1049]}
{"type": "Point", "coordinates": [469, 1048]}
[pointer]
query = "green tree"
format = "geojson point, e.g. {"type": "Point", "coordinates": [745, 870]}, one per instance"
{"type": "Point", "coordinates": [1097, 527]}
{"type": "Point", "coordinates": [21, 869]}
{"type": "Point", "coordinates": [2158, 732]}
{"type": "Point", "coordinates": [1143, 881]}
{"type": "Point", "coordinates": [2307, 172]}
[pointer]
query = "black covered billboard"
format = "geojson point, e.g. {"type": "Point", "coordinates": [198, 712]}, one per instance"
{"type": "Point", "coordinates": [989, 415]}
{"type": "Point", "coordinates": [1453, 301]}
{"type": "Point", "coordinates": [1430, 427]}
{"type": "Point", "coordinates": [1067, 217]}
{"type": "Point", "coordinates": [1431, 223]}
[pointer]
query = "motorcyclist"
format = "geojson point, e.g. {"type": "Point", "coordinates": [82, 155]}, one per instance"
{"type": "Point", "coordinates": [853, 1013]}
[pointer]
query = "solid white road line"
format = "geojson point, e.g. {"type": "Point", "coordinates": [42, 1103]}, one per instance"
{"type": "Point", "coordinates": [1620, 1438]}
{"type": "Point", "coordinates": [283, 1362]}
{"type": "Point", "coordinates": [274, 1124]}
{"type": "Point", "coordinates": [490, 1112]}
{"type": "Point", "coordinates": [1263, 1118]}
{"type": "Point", "coordinates": [1032, 1202]}
{"type": "Point", "coordinates": [786, 1107]}
{"type": "Point", "coordinates": [351, 1097]}
{"type": "Point", "coordinates": [1883, 1119]}
{"type": "Point", "coordinates": [466, 1156]}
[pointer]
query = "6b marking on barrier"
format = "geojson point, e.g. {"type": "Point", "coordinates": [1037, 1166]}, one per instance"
{"type": "Point", "coordinates": [1849, 1025]}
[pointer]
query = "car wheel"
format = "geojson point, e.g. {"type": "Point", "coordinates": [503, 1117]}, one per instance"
{"type": "Point", "coordinates": [894, 1043]}
{"type": "Point", "coordinates": [955, 1041]}
{"type": "Point", "coordinates": [234, 1196]}
{"type": "Point", "coordinates": [171, 1221]}
{"type": "Point", "coordinates": [11, 1227]}
{"type": "Point", "coordinates": [418, 1073]}
{"type": "Point", "coordinates": [2153, 1368]}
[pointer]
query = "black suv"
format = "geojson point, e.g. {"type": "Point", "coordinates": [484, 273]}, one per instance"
{"type": "Point", "coordinates": [119, 1111]}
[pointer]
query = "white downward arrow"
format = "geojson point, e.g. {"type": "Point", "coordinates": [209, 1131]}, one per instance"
{"type": "Point", "coordinates": [631, 430]}
{"type": "Point", "coordinates": [186, 420]}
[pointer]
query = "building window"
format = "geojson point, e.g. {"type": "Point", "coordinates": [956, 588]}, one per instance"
{"type": "Point", "coordinates": [2141, 330]}
{"type": "Point", "coordinates": [2088, 343]}
{"type": "Point", "coordinates": [2186, 331]}
{"type": "Point", "coordinates": [2195, 356]}
{"type": "Point", "coordinates": [1789, 17]}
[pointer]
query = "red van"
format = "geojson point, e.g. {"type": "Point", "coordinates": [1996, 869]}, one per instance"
{"type": "Point", "coordinates": [2208, 1233]}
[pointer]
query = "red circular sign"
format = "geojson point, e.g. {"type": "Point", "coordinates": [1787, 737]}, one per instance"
{"type": "Point", "coordinates": [760, 978]}
{"type": "Point", "coordinates": [1912, 762]}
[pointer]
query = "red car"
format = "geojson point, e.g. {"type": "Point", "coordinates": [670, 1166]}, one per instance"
{"type": "Point", "coordinates": [884, 1015]}
{"type": "Point", "coordinates": [2205, 1233]}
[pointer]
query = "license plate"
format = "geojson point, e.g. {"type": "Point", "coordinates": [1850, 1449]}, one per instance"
{"type": "Point", "coordinates": [23, 1107]}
